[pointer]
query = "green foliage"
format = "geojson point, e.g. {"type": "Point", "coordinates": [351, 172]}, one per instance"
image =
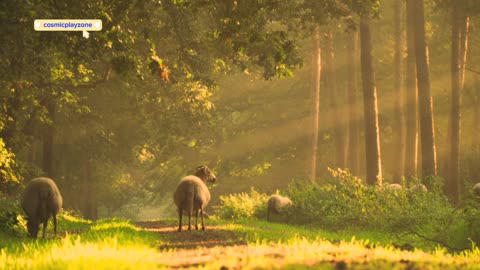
{"type": "Point", "coordinates": [11, 220]}
{"type": "Point", "coordinates": [471, 216]}
{"type": "Point", "coordinates": [344, 202]}
{"type": "Point", "coordinates": [7, 165]}
{"type": "Point", "coordinates": [243, 205]}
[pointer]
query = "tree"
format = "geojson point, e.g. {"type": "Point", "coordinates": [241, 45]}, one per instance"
{"type": "Point", "coordinates": [336, 115]}
{"type": "Point", "coordinates": [399, 118]}
{"type": "Point", "coordinates": [352, 105]}
{"type": "Point", "coordinates": [427, 132]}
{"type": "Point", "coordinates": [317, 70]}
{"type": "Point", "coordinates": [372, 135]}
{"type": "Point", "coordinates": [411, 140]}
{"type": "Point", "coordinates": [458, 62]}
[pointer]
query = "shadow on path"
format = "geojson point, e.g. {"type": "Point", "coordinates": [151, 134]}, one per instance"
{"type": "Point", "coordinates": [214, 235]}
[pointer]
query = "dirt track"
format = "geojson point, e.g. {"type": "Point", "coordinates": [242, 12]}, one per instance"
{"type": "Point", "coordinates": [214, 235]}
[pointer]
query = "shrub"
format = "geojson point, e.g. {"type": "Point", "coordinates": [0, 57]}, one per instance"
{"type": "Point", "coordinates": [243, 205]}
{"type": "Point", "coordinates": [344, 201]}
{"type": "Point", "coordinates": [11, 220]}
{"type": "Point", "coordinates": [339, 202]}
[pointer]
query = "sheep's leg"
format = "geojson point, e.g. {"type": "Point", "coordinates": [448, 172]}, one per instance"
{"type": "Point", "coordinates": [203, 224]}
{"type": "Point", "coordinates": [55, 223]}
{"type": "Point", "coordinates": [268, 214]}
{"type": "Point", "coordinates": [180, 212]}
{"type": "Point", "coordinates": [189, 217]}
{"type": "Point", "coordinates": [196, 220]}
{"type": "Point", "coordinates": [45, 227]}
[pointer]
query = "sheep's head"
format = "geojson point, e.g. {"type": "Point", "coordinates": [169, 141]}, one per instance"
{"type": "Point", "coordinates": [32, 227]}
{"type": "Point", "coordinates": [204, 173]}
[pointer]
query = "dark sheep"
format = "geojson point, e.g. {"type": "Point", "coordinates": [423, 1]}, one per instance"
{"type": "Point", "coordinates": [192, 195]}
{"type": "Point", "coordinates": [476, 189]}
{"type": "Point", "coordinates": [276, 203]}
{"type": "Point", "coordinates": [41, 199]}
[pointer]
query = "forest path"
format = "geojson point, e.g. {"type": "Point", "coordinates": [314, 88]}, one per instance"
{"type": "Point", "coordinates": [221, 247]}
{"type": "Point", "coordinates": [214, 235]}
{"type": "Point", "coordinates": [225, 246]}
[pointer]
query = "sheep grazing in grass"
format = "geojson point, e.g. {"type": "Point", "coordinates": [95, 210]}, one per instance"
{"type": "Point", "coordinates": [276, 203]}
{"type": "Point", "coordinates": [41, 199]}
{"type": "Point", "coordinates": [418, 188]}
{"type": "Point", "coordinates": [395, 187]}
{"type": "Point", "coordinates": [192, 195]}
{"type": "Point", "coordinates": [476, 189]}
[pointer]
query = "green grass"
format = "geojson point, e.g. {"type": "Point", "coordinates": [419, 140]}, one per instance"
{"type": "Point", "coordinates": [119, 244]}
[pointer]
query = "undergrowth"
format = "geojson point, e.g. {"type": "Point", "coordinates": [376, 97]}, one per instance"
{"type": "Point", "coordinates": [411, 215]}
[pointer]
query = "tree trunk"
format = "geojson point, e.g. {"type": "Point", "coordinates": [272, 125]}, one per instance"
{"type": "Point", "coordinates": [459, 52]}
{"type": "Point", "coordinates": [427, 132]}
{"type": "Point", "coordinates": [336, 115]}
{"type": "Point", "coordinates": [316, 68]}
{"type": "Point", "coordinates": [48, 140]}
{"type": "Point", "coordinates": [353, 113]}
{"type": "Point", "coordinates": [476, 119]}
{"type": "Point", "coordinates": [89, 201]}
{"type": "Point", "coordinates": [372, 136]}
{"type": "Point", "coordinates": [399, 118]}
{"type": "Point", "coordinates": [411, 141]}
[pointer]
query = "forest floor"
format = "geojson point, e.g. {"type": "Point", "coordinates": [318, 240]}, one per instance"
{"type": "Point", "coordinates": [238, 244]}
{"type": "Point", "coordinates": [230, 246]}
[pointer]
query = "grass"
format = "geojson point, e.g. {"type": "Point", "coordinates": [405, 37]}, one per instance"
{"type": "Point", "coordinates": [120, 244]}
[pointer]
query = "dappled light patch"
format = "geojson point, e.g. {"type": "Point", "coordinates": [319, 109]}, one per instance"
{"type": "Point", "coordinates": [214, 235]}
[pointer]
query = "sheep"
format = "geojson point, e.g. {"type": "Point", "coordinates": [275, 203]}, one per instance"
{"type": "Point", "coordinates": [395, 187]}
{"type": "Point", "coordinates": [276, 203]}
{"type": "Point", "coordinates": [476, 189]}
{"type": "Point", "coordinates": [192, 195]}
{"type": "Point", "coordinates": [418, 188]}
{"type": "Point", "coordinates": [41, 199]}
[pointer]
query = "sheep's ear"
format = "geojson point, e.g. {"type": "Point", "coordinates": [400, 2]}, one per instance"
{"type": "Point", "coordinates": [202, 169]}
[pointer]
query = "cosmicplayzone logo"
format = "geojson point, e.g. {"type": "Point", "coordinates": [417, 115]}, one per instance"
{"type": "Point", "coordinates": [68, 25]}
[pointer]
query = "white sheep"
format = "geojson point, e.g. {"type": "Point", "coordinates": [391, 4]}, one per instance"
{"type": "Point", "coordinates": [276, 203]}
{"type": "Point", "coordinates": [192, 195]}
{"type": "Point", "coordinates": [394, 186]}
{"type": "Point", "coordinates": [476, 189]}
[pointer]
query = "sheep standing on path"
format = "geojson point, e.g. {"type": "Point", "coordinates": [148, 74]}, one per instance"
{"type": "Point", "coordinates": [41, 199]}
{"type": "Point", "coordinates": [276, 203]}
{"type": "Point", "coordinates": [192, 195]}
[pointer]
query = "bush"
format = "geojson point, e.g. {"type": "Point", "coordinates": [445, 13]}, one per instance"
{"type": "Point", "coordinates": [338, 203]}
{"type": "Point", "coordinates": [471, 215]}
{"type": "Point", "coordinates": [11, 219]}
{"type": "Point", "coordinates": [344, 201]}
{"type": "Point", "coordinates": [243, 205]}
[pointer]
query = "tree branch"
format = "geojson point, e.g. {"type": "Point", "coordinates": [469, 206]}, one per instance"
{"type": "Point", "coordinates": [473, 70]}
